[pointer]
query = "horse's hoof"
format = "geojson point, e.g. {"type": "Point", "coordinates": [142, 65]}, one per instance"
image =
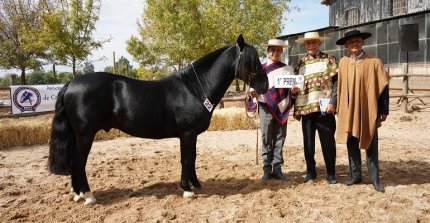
{"type": "Point", "coordinates": [72, 194]}
{"type": "Point", "coordinates": [78, 197]}
{"type": "Point", "coordinates": [89, 198]}
{"type": "Point", "coordinates": [189, 194]}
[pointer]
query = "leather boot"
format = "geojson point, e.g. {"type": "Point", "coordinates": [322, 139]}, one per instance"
{"type": "Point", "coordinates": [378, 187]}
{"type": "Point", "coordinates": [332, 179]}
{"type": "Point", "coordinates": [265, 177]}
{"type": "Point", "coordinates": [277, 174]}
{"type": "Point", "coordinates": [353, 181]}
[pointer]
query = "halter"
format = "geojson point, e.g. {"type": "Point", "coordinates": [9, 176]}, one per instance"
{"type": "Point", "coordinates": [251, 75]}
{"type": "Point", "coordinates": [238, 59]}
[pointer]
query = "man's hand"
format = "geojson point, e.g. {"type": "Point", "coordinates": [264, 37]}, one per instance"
{"type": "Point", "coordinates": [331, 109]}
{"type": "Point", "coordinates": [295, 90]}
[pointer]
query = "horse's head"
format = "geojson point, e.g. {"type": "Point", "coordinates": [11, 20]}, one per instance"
{"type": "Point", "coordinates": [249, 68]}
{"type": "Point", "coordinates": [26, 96]}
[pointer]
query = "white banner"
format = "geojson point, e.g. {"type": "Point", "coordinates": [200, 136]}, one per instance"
{"type": "Point", "coordinates": [33, 98]}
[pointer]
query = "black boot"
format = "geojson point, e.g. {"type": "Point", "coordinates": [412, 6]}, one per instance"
{"type": "Point", "coordinates": [277, 174]}
{"type": "Point", "coordinates": [309, 177]}
{"type": "Point", "coordinates": [332, 179]}
{"type": "Point", "coordinates": [353, 181]}
{"type": "Point", "coordinates": [265, 177]}
{"type": "Point", "coordinates": [378, 187]}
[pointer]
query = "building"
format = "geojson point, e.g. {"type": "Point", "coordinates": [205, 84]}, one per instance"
{"type": "Point", "coordinates": [392, 23]}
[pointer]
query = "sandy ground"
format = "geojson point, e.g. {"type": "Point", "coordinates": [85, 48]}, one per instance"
{"type": "Point", "coordinates": [137, 180]}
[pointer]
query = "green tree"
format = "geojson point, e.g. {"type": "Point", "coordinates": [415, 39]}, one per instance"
{"type": "Point", "coordinates": [174, 33]}
{"type": "Point", "coordinates": [151, 74]}
{"type": "Point", "coordinates": [123, 67]}
{"type": "Point", "coordinates": [64, 77]}
{"type": "Point", "coordinates": [16, 16]}
{"type": "Point", "coordinates": [67, 30]}
{"type": "Point", "coordinates": [88, 68]}
{"type": "Point", "coordinates": [39, 77]}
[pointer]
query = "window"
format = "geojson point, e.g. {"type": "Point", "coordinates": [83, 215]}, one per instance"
{"type": "Point", "coordinates": [398, 7]}
{"type": "Point", "coordinates": [352, 17]}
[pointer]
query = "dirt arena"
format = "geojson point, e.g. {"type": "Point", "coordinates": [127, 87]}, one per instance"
{"type": "Point", "coordinates": [137, 180]}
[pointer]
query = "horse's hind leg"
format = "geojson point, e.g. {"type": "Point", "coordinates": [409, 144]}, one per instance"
{"type": "Point", "coordinates": [79, 178]}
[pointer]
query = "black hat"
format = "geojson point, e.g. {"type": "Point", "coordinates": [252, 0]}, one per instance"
{"type": "Point", "coordinates": [351, 34]}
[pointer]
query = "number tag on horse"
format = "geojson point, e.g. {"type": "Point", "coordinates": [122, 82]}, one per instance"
{"type": "Point", "coordinates": [208, 105]}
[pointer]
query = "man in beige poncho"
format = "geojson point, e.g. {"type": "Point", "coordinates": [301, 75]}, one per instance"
{"type": "Point", "coordinates": [362, 104]}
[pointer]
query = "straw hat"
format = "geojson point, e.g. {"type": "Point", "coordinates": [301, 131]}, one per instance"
{"type": "Point", "coordinates": [351, 34]}
{"type": "Point", "coordinates": [275, 42]}
{"type": "Point", "coordinates": [311, 35]}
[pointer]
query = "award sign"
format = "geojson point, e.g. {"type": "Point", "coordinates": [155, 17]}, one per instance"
{"type": "Point", "coordinates": [288, 81]}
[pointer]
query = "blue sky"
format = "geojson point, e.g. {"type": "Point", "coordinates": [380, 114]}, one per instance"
{"type": "Point", "coordinates": [118, 21]}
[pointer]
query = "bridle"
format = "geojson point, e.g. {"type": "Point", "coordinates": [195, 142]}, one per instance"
{"type": "Point", "coordinates": [251, 75]}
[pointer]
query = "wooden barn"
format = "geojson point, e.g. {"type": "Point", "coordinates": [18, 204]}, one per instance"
{"type": "Point", "coordinates": [400, 34]}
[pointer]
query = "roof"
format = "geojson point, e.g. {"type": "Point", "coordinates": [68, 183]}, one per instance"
{"type": "Point", "coordinates": [331, 28]}
{"type": "Point", "coordinates": [387, 19]}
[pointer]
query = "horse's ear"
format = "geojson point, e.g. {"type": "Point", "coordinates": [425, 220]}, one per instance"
{"type": "Point", "coordinates": [240, 42]}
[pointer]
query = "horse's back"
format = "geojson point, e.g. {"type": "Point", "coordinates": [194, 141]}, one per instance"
{"type": "Point", "coordinates": [102, 101]}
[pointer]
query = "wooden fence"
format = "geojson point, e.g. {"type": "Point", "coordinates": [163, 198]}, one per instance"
{"type": "Point", "coordinates": [403, 97]}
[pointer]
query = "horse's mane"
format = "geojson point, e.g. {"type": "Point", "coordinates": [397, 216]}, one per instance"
{"type": "Point", "coordinates": [248, 54]}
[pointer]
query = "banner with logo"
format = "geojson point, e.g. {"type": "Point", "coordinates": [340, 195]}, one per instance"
{"type": "Point", "coordinates": [33, 98]}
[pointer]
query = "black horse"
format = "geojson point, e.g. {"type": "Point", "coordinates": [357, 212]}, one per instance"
{"type": "Point", "coordinates": [180, 105]}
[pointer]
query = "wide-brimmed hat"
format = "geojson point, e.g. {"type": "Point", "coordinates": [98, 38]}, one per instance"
{"type": "Point", "coordinates": [311, 35]}
{"type": "Point", "coordinates": [351, 34]}
{"type": "Point", "coordinates": [275, 42]}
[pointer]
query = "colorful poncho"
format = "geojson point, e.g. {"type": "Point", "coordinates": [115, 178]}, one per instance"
{"type": "Point", "coordinates": [278, 100]}
{"type": "Point", "coordinates": [318, 71]}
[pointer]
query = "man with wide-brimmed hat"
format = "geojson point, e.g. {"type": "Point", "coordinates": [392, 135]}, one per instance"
{"type": "Point", "coordinates": [362, 105]}
{"type": "Point", "coordinates": [274, 107]}
{"type": "Point", "coordinates": [316, 104]}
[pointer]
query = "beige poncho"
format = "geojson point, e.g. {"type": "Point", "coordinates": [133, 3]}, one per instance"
{"type": "Point", "coordinates": [359, 86]}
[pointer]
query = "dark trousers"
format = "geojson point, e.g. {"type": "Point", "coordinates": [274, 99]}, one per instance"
{"type": "Point", "coordinates": [354, 156]}
{"type": "Point", "coordinates": [326, 127]}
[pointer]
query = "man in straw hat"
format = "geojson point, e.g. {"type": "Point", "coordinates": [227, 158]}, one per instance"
{"type": "Point", "coordinates": [362, 105]}
{"type": "Point", "coordinates": [316, 104]}
{"type": "Point", "coordinates": [274, 107]}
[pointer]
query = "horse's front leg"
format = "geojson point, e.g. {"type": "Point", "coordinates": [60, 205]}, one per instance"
{"type": "Point", "coordinates": [193, 175]}
{"type": "Point", "coordinates": [188, 148]}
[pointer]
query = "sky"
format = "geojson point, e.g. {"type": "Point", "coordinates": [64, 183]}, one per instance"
{"type": "Point", "coordinates": [118, 21]}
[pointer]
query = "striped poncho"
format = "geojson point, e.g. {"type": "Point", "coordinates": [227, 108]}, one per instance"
{"type": "Point", "coordinates": [318, 72]}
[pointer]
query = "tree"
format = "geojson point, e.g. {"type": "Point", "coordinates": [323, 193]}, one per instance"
{"type": "Point", "coordinates": [88, 68]}
{"type": "Point", "coordinates": [174, 34]}
{"type": "Point", "coordinates": [123, 67]}
{"type": "Point", "coordinates": [16, 16]}
{"type": "Point", "coordinates": [67, 30]}
{"type": "Point", "coordinates": [39, 77]}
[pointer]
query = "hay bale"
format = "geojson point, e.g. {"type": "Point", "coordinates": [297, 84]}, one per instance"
{"type": "Point", "coordinates": [27, 131]}
{"type": "Point", "coordinates": [24, 131]}
{"type": "Point", "coordinates": [229, 119]}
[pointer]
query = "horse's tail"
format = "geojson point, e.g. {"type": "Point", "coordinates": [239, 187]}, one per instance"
{"type": "Point", "coordinates": [62, 142]}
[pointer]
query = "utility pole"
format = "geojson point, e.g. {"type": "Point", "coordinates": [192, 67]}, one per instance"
{"type": "Point", "coordinates": [114, 62]}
